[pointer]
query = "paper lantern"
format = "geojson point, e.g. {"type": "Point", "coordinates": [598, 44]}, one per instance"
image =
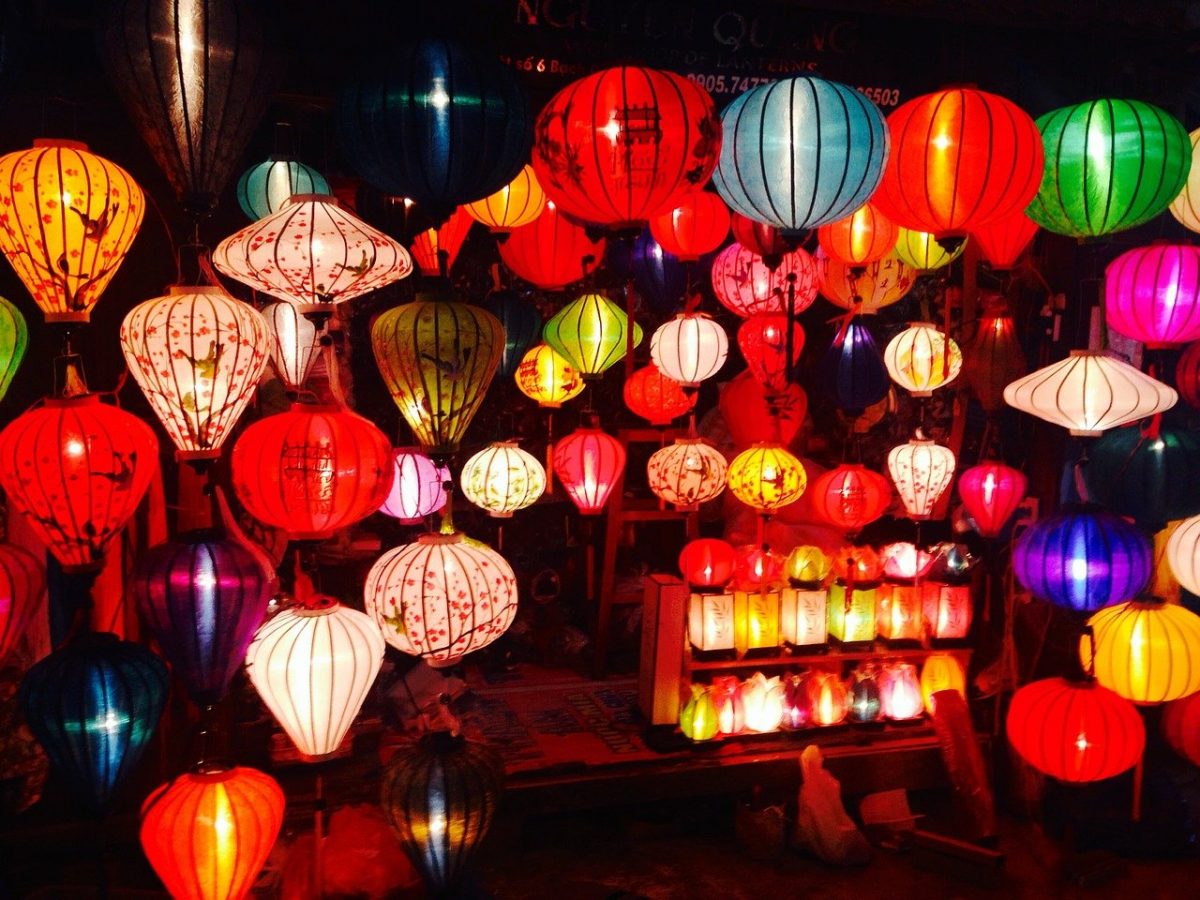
{"type": "Point", "coordinates": [865, 702]}
{"type": "Point", "coordinates": [899, 610]}
{"type": "Point", "coordinates": [589, 463]}
{"type": "Point", "coordinates": [77, 469]}
{"type": "Point", "coordinates": [22, 586]}
{"type": "Point", "coordinates": [941, 672]}
{"type": "Point", "coordinates": [763, 340]}
{"type": "Point", "coordinates": [441, 597]}
{"type": "Point", "coordinates": [502, 478]}
{"type": "Point", "coordinates": [991, 493]}
{"type": "Point", "coordinates": [197, 354]}
{"type": "Point", "coordinates": [624, 144]}
{"type": "Point", "coordinates": [547, 377]}
{"type": "Point", "coordinates": [312, 665]}
{"type": "Point", "coordinates": [921, 359]}
{"type": "Point", "coordinates": [208, 832]}
{"type": "Point", "coordinates": [522, 324]}
{"type": "Point", "coordinates": [948, 609]}
{"type": "Point", "coordinates": [69, 218]}
{"type": "Point", "coordinates": [14, 339]}
{"type": "Point", "coordinates": [746, 285]}
{"type": "Point", "coordinates": [853, 369]}
{"type": "Point", "coordinates": [751, 416]}
{"type": "Point", "coordinates": [1110, 165]}
{"type": "Point", "coordinates": [756, 619]}
{"type": "Point", "coordinates": [900, 692]}
{"type": "Point", "coordinates": [93, 705]}
{"type": "Point", "coordinates": [518, 203]}
{"type": "Point", "coordinates": [921, 251]}
{"type": "Point", "coordinates": [695, 226]}
{"type": "Point", "coordinates": [864, 289]}
{"type": "Point", "coordinates": [1002, 241]}
{"type": "Point", "coordinates": [656, 398]}
{"type": "Point", "coordinates": [1088, 393]}
{"type": "Point", "coordinates": [686, 473]}
{"type": "Point", "coordinates": [726, 692]}
{"type": "Point", "coordinates": [707, 563]}
{"type": "Point", "coordinates": [295, 343]}
{"type": "Point", "coordinates": [757, 568]}
{"type": "Point", "coordinates": [662, 281]}
{"type": "Point", "coordinates": [202, 597]}
{"type": "Point", "coordinates": [312, 253]}
{"type": "Point", "coordinates": [1147, 651]}
{"type": "Point", "coordinates": [921, 471]}
{"type": "Point", "coordinates": [551, 252]}
{"type": "Point", "coordinates": [864, 236]}
{"type": "Point", "coordinates": [960, 158]}
{"type": "Point", "coordinates": [710, 621]}
{"type": "Point", "coordinates": [435, 249]}
{"type": "Point", "coordinates": [1152, 476]}
{"type": "Point", "coordinates": [856, 565]}
{"type": "Point", "coordinates": [591, 334]}
{"type": "Point", "coordinates": [828, 698]}
{"type": "Point", "coordinates": [1152, 294]}
{"type": "Point", "coordinates": [763, 701]}
{"type": "Point", "coordinates": [311, 471]}
{"type": "Point", "coordinates": [1186, 206]}
{"type": "Point", "coordinates": [266, 186]}
{"type": "Point", "coordinates": [767, 477]}
{"type": "Point", "coordinates": [437, 357]}
{"type": "Point", "coordinates": [1181, 727]}
{"type": "Point", "coordinates": [800, 152]}
{"type": "Point", "coordinates": [417, 487]}
{"type": "Point", "coordinates": [690, 348]}
{"type": "Point", "coordinates": [1075, 731]}
{"type": "Point", "coordinates": [850, 497]}
{"type": "Point", "coordinates": [1083, 559]}
{"type": "Point", "coordinates": [852, 611]}
{"type": "Point", "coordinates": [698, 718]}
{"type": "Point", "coordinates": [803, 611]}
{"type": "Point", "coordinates": [797, 704]}
{"type": "Point", "coordinates": [1187, 375]}
{"type": "Point", "coordinates": [994, 358]}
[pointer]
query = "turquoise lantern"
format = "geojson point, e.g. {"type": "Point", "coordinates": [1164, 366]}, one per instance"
{"type": "Point", "coordinates": [264, 188]}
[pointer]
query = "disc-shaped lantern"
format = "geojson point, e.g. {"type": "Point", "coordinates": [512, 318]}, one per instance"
{"type": "Point", "coordinates": [14, 339]}
{"type": "Point", "coordinates": [266, 186]}
{"type": "Point", "coordinates": [752, 416]}
{"type": "Point", "coordinates": [746, 285]}
{"type": "Point", "coordinates": [850, 497]}
{"type": "Point", "coordinates": [991, 493]}
{"type": "Point", "coordinates": [1181, 727]}
{"type": "Point", "coordinates": [1002, 241]}
{"type": "Point", "coordinates": [517, 203]}
{"type": "Point", "coordinates": [502, 478]}
{"type": "Point", "coordinates": [695, 226]}
{"type": "Point", "coordinates": [921, 251]}
{"type": "Point", "coordinates": [547, 377]}
{"type": "Point", "coordinates": [1186, 206]}
{"type": "Point", "coordinates": [864, 289]}
{"type": "Point", "coordinates": [522, 324]}
{"type": "Point", "coordinates": [591, 334]}
{"type": "Point", "coordinates": [653, 396]}
{"type": "Point", "coordinates": [1151, 474]}
{"type": "Point", "coordinates": [22, 585]}
{"type": "Point", "coordinates": [1152, 294]}
{"type": "Point", "coordinates": [295, 343]}
{"type": "Point", "coordinates": [994, 358]}
{"type": "Point", "coordinates": [921, 470]}
{"type": "Point", "coordinates": [434, 250]}
{"type": "Point", "coordinates": [854, 371]}
{"type": "Point", "coordinates": [864, 236]}
{"type": "Point", "coordinates": [766, 477]}
{"type": "Point", "coordinates": [589, 463]}
{"type": "Point", "coordinates": [707, 563]}
{"type": "Point", "coordinates": [763, 340]}
{"type": "Point", "coordinates": [1145, 650]}
{"type": "Point", "coordinates": [551, 252]}
{"type": "Point", "coordinates": [417, 487]}
{"type": "Point", "coordinates": [690, 348]}
{"type": "Point", "coordinates": [686, 473]}
{"type": "Point", "coordinates": [921, 359]}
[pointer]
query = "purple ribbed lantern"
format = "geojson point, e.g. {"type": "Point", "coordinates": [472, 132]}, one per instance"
{"type": "Point", "coordinates": [1152, 294]}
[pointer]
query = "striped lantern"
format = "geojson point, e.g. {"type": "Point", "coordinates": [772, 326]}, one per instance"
{"type": "Point", "coordinates": [22, 586]}
{"type": "Point", "coordinates": [591, 334]}
{"type": "Point", "coordinates": [14, 339]}
{"type": "Point", "coordinates": [686, 473]}
{"type": "Point", "coordinates": [922, 471]}
{"type": "Point", "coordinates": [1002, 241]}
{"type": "Point", "coordinates": [434, 250]}
{"type": "Point", "coordinates": [1152, 294]}
{"type": "Point", "coordinates": [696, 226]}
{"type": "Point", "coordinates": [295, 343]}
{"type": "Point", "coordinates": [522, 324]}
{"type": "Point", "coordinates": [518, 203]}
{"type": "Point", "coordinates": [1151, 475]}
{"type": "Point", "coordinates": [1186, 206]}
{"type": "Point", "coordinates": [1145, 650]}
{"type": "Point", "coordinates": [1183, 553]}
{"type": "Point", "coordinates": [589, 463]}
{"type": "Point", "coordinates": [921, 359]}
{"type": "Point", "coordinates": [746, 285]}
{"type": "Point", "coordinates": [853, 370]}
{"type": "Point", "coordinates": [690, 348]}
{"type": "Point", "coordinates": [502, 478]}
{"type": "Point", "coordinates": [864, 236]}
{"type": "Point", "coordinates": [760, 238]}
{"type": "Point", "coordinates": [266, 186]}
{"type": "Point", "coordinates": [551, 252]}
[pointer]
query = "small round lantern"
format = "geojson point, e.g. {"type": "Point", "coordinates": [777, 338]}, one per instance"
{"type": "Point", "coordinates": [546, 377]}
{"type": "Point", "coordinates": [921, 251]}
{"type": "Point", "coordinates": [766, 477]}
{"type": "Point", "coordinates": [763, 340]}
{"type": "Point", "coordinates": [1146, 650]}
{"type": "Point", "coordinates": [991, 493]}
{"type": "Point", "coordinates": [1181, 727]}
{"type": "Point", "coordinates": [434, 250]}
{"type": "Point", "coordinates": [850, 497]}
{"type": "Point", "coordinates": [900, 692]}
{"type": "Point", "coordinates": [864, 236]}
{"type": "Point", "coordinates": [1186, 206]}
{"type": "Point", "coordinates": [921, 359]}
{"type": "Point", "coordinates": [502, 478]}
{"type": "Point", "coordinates": [698, 718]}
{"type": "Point", "coordinates": [656, 398]}
{"type": "Point", "coordinates": [22, 586]}
{"type": "Point", "coordinates": [941, 672]}
{"type": "Point", "coordinates": [865, 289]}
{"type": "Point", "coordinates": [686, 473]}
{"type": "Point", "coordinates": [1002, 241]}
{"type": "Point", "coordinates": [921, 471]}
{"type": "Point", "coordinates": [266, 186]}
{"type": "Point", "coordinates": [697, 225]}
{"type": "Point", "coordinates": [707, 563]}
{"type": "Point", "coordinates": [690, 348]}
{"type": "Point", "coordinates": [752, 416]}
{"type": "Point", "coordinates": [746, 285]}
{"type": "Point", "coordinates": [589, 463]}
{"type": "Point", "coordinates": [295, 343]}
{"type": "Point", "coordinates": [854, 372]}
{"type": "Point", "coordinates": [591, 333]}
{"type": "Point", "coordinates": [551, 252]}
{"type": "Point", "coordinates": [994, 358]}
{"type": "Point", "coordinates": [1152, 294]}
{"type": "Point", "coordinates": [417, 487]}
{"type": "Point", "coordinates": [517, 203]}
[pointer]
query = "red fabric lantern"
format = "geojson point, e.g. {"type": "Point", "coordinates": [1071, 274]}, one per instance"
{"type": "Point", "coordinates": [1181, 727]}
{"type": "Point", "coordinates": [589, 462]}
{"type": "Point", "coordinates": [656, 398]}
{"type": "Point", "coordinates": [77, 469]}
{"type": "Point", "coordinates": [707, 562]}
{"type": "Point", "coordinates": [625, 143]}
{"type": "Point", "coordinates": [551, 252]}
{"type": "Point", "coordinates": [756, 567]}
{"type": "Point", "coordinates": [1003, 240]}
{"type": "Point", "coordinates": [698, 224]}
{"type": "Point", "coordinates": [994, 358]}
{"type": "Point", "coordinates": [1152, 294]}
{"type": "Point", "coordinates": [312, 470]}
{"type": "Point", "coordinates": [22, 584]}
{"type": "Point", "coordinates": [745, 284]}
{"type": "Point", "coordinates": [991, 493]}
{"type": "Point", "coordinates": [862, 237]}
{"type": "Point", "coordinates": [758, 237]}
{"type": "Point", "coordinates": [850, 497]}
{"type": "Point", "coordinates": [428, 246]}
{"type": "Point", "coordinates": [1187, 375]}
{"type": "Point", "coordinates": [762, 338]}
{"type": "Point", "coordinates": [752, 417]}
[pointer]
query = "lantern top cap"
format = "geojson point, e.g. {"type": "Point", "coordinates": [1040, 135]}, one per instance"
{"type": "Point", "coordinates": [498, 444]}
{"type": "Point", "coordinates": [1086, 352]}
{"type": "Point", "coordinates": [300, 406]}
{"type": "Point", "coordinates": [176, 290]}
{"type": "Point", "coordinates": [316, 605]}
{"type": "Point", "coordinates": [923, 325]}
{"type": "Point", "coordinates": [77, 400]}
{"type": "Point", "coordinates": [315, 198]}
{"type": "Point", "coordinates": [454, 537]}
{"type": "Point", "coordinates": [213, 771]}
{"type": "Point", "coordinates": [60, 142]}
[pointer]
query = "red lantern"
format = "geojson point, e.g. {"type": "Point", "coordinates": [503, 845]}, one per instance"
{"type": "Point", "coordinates": [625, 143]}
{"type": "Point", "coordinates": [1181, 727]}
{"type": "Point", "coordinates": [991, 493]}
{"type": "Point", "coordinates": [22, 583]}
{"type": "Point", "coordinates": [994, 359]}
{"type": "Point", "coordinates": [429, 246]}
{"type": "Point", "coordinates": [757, 567]}
{"type": "Point", "coordinates": [77, 469]}
{"type": "Point", "coordinates": [699, 224]}
{"type": "Point", "coordinates": [1003, 240]}
{"type": "Point", "coordinates": [745, 284]}
{"type": "Point", "coordinates": [751, 417]}
{"type": "Point", "coordinates": [758, 237]}
{"type": "Point", "coordinates": [731, 709]}
{"type": "Point", "coordinates": [589, 462]}
{"type": "Point", "coordinates": [1187, 375]}
{"type": "Point", "coordinates": [312, 470]}
{"type": "Point", "coordinates": [850, 497]}
{"type": "Point", "coordinates": [762, 338]}
{"type": "Point", "coordinates": [551, 252]}
{"type": "Point", "coordinates": [707, 562]}
{"type": "Point", "coordinates": [862, 237]}
{"type": "Point", "coordinates": [1152, 294]}
{"type": "Point", "coordinates": [655, 397]}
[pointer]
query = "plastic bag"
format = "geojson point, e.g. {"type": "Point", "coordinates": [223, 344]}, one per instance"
{"type": "Point", "coordinates": [822, 824]}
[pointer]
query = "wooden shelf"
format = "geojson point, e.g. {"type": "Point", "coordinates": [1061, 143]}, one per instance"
{"type": "Point", "coordinates": [831, 657]}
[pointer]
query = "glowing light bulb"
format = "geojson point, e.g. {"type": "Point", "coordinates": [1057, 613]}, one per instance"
{"type": "Point", "coordinates": [942, 142]}
{"type": "Point", "coordinates": [74, 448]}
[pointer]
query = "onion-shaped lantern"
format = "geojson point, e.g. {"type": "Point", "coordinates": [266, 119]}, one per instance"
{"type": "Point", "coordinates": [266, 186]}
{"type": "Point", "coordinates": [589, 463]}
{"type": "Point", "coordinates": [502, 478]}
{"type": "Point", "coordinates": [767, 477]}
{"type": "Point", "coordinates": [690, 348]}
{"type": "Point", "coordinates": [746, 285]}
{"type": "Point", "coordinates": [1002, 241]}
{"type": "Point", "coordinates": [686, 473]}
{"type": "Point", "coordinates": [752, 416]}
{"type": "Point", "coordinates": [921, 471]}
{"type": "Point", "coordinates": [865, 289]}
{"type": "Point", "coordinates": [653, 396]}
{"type": "Point", "coordinates": [921, 251]}
{"type": "Point", "coordinates": [994, 357]}
{"type": "Point", "coordinates": [295, 343]}
{"type": "Point", "coordinates": [854, 371]}
{"type": "Point", "coordinates": [1183, 553]}
{"type": "Point", "coordinates": [1152, 294]}
{"type": "Point", "coordinates": [991, 493]}
{"type": "Point", "coordinates": [698, 224]}
{"type": "Point", "coordinates": [807, 565]}
{"type": "Point", "coordinates": [417, 487]}
{"type": "Point", "coordinates": [435, 249]}
{"type": "Point", "coordinates": [707, 563]}
{"type": "Point", "coordinates": [1181, 727]}
{"type": "Point", "coordinates": [864, 236]}
{"type": "Point", "coordinates": [22, 586]}
{"type": "Point", "coordinates": [547, 377]}
{"type": "Point", "coordinates": [763, 340]}
{"type": "Point", "coordinates": [698, 717]}
{"type": "Point", "coordinates": [900, 692]}
{"type": "Point", "coordinates": [1145, 650]}
{"type": "Point", "coordinates": [921, 359]}
{"type": "Point", "coordinates": [591, 333]}
{"type": "Point", "coordinates": [850, 497]}
{"type": "Point", "coordinates": [1151, 475]}
{"type": "Point", "coordinates": [1186, 206]}
{"type": "Point", "coordinates": [522, 325]}
{"type": "Point", "coordinates": [14, 339]}
{"type": "Point", "coordinates": [551, 252]}
{"type": "Point", "coordinates": [517, 203]}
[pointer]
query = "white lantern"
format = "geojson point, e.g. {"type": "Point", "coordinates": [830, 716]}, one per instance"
{"type": "Point", "coordinates": [690, 348]}
{"type": "Point", "coordinates": [295, 343]}
{"type": "Point", "coordinates": [762, 700]}
{"type": "Point", "coordinates": [313, 665]}
{"type": "Point", "coordinates": [1183, 553]}
{"type": "Point", "coordinates": [1089, 392]}
{"type": "Point", "coordinates": [417, 487]}
{"type": "Point", "coordinates": [921, 471]}
{"type": "Point", "coordinates": [921, 359]}
{"type": "Point", "coordinates": [502, 478]}
{"type": "Point", "coordinates": [686, 473]}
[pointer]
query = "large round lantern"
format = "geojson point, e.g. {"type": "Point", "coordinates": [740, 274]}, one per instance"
{"type": "Point", "coordinates": [853, 369]}
{"type": "Point", "coordinates": [589, 463]}
{"type": "Point", "coordinates": [767, 477]}
{"type": "Point", "coordinates": [441, 597]}
{"type": "Point", "coordinates": [707, 563]}
{"type": "Point", "coordinates": [1002, 241]}
{"type": "Point", "coordinates": [1186, 207]}
{"type": "Point", "coordinates": [690, 348]}
{"type": "Point", "coordinates": [70, 217]}
{"type": "Point", "coordinates": [551, 252]}
{"type": "Point", "coordinates": [850, 497]}
{"type": "Point", "coordinates": [517, 203]}
{"type": "Point", "coordinates": [202, 596]}
{"type": "Point", "coordinates": [1152, 294]}
{"type": "Point", "coordinates": [991, 493]}
{"type": "Point", "coordinates": [800, 152]}
{"type": "Point", "coordinates": [865, 289]}
{"type": "Point", "coordinates": [653, 396]}
{"type": "Point", "coordinates": [1147, 651]}
{"type": "Point", "coordinates": [1083, 559]}
{"type": "Point", "coordinates": [22, 586]}
{"type": "Point", "coordinates": [1075, 731]}
{"type": "Point", "coordinates": [1181, 727]}
{"type": "Point", "coordinates": [752, 416]}
{"type": "Point", "coordinates": [435, 249]}
{"type": "Point", "coordinates": [547, 377]}
{"type": "Point", "coordinates": [921, 359]}
{"type": "Point", "coordinates": [686, 473]}
{"type": "Point", "coordinates": [77, 469]}
{"type": "Point", "coordinates": [266, 186]}
{"type": "Point", "coordinates": [763, 340]}
{"type": "Point", "coordinates": [624, 144]}
{"type": "Point", "coordinates": [1110, 165]}
{"type": "Point", "coordinates": [522, 324]}
{"type": "Point", "coordinates": [437, 358]}
{"type": "Point", "coordinates": [208, 832]}
{"type": "Point", "coordinates": [93, 706]}
{"type": "Point", "coordinates": [864, 236]}
{"type": "Point", "coordinates": [921, 471]}
{"type": "Point", "coordinates": [295, 343]}
{"type": "Point", "coordinates": [746, 285]}
{"type": "Point", "coordinates": [994, 357]}
{"type": "Point", "coordinates": [591, 333]}
{"type": "Point", "coordinates": [14, 339]}
{"type": "Point", "coordinates": [697, 225]}
{"type": "Point", "coordinates": [312, 470]}
{"type": "Point", "coordinates": [197, 354]}
{"type": "Point", "coordinates": [960, 158]}
{"type": "Point", "coordinates": [502, 478]}
{"type": "Point", "coordinates": [417, 487]}
{"type": "Point", "coordinates": [921, 251]}
{"type": "Point", "coordinates": [1151, 475]}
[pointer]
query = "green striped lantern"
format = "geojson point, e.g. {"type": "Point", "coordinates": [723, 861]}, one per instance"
{"type": "Point", "coordinates": [14, 339]}
{"type": "Point", "coordinates": [592, 334]}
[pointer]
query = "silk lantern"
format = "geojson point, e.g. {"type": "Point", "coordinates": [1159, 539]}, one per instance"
{"type": "Point", "coordinates": [991, 493]}
{"type": "Point", "coordinates": [551, 252]}
{"type": "Point", "coordinates": [864, 289]}
{"type": "Point", "coordinates": [1002, 241]}
{"type": "Point", "coordinates": [900, 692]}
{"type": "Point", "coordinates": [690, 348]}
{"type": "Point", "coordinates": [900, 599]}
{"type": "Point", "coordinates": [502, 478]}
{"type": "Point", "coordinates": [686, 473]}
{"type": "Point", "coordinates": [746, 285]}
{"type": "Point", "coordinates": [1145, 650]}
{"type": "Point", "coordinates": [865, 702]}
{"type": "Point", "coordinates": [763, 340]}
{"type": "Point", "coordinates": [864, 236]}
{"type": "Point", "coordinates": [854, 373]}
{"type": "Point", "coordinates": [70, 217]}
{"type": "Point", "coordinates": [518, 203]}
{"type": "Point", "coordinates": [698, 224]}
{"type": "Point", "coordinates": [591, 333]}
{"type": "Point", "coordinates": [1151, 475]}
{"type": "Point", "coordinates": [759, 238]}
{"type": "Point", "coordinates": [767, 477]}
{"type": "Point", "coordinates": [208, 832]}
{"type": "Point", "coordinates": [707, 563]}
{"type": "Point", "coordinates": [266, 186]}
{"type": "Point", "coordinates": [800, 152]}
{"type": "Point", "coordinates": [435, 249]}
{"type": "Point", "coordinates": [757, 567]}
{"type": "Point", "coordinates": [1152, 294]}
{"type": "Point", "coordinates": [313, 664]}
{"type": "Point", "coordinates": [752, 416]}
{"type": "Point", "coordinates": [295, 343]}
{"type": "Point", "coordinates": [802, 614]}
{"type": "Point", "coordinates": [850, 496]}
{"type": "Point", "coordinates": [994, 357]}
{"type": "Point", "coordinates": [921, 251]}
{"type": "Point", "coordinates": [417, 487]}
{"type": "Point", "coordinates": [589, 463]}
{"type": "Point", "coordinates": [653, 396]}
{"type": "Point", "coordinates": [921, 359]}
{"type": "Point", "coordinates": [727, 695]}
{"type": "Point", "coordinates": [941, 672]}
{"type": "Point", "coordinates": [921, 470]}
{"type": "Point", "coordinates": [1181, 727]}
{"type": "Point", "coordinates": [22, 586]}
{"type": "Point", "coordinates": [698, 718]}
{"type": "Point", "coordinates": [829, 699]}
{"type": "Point", "coordinates": [547, 377]}
{"type": "Point", "coordinates": [661, 280]}
{"type": "Point", "coordinates": [947, 609]}
{"type": "Point", "coordinates": [1110, 165]}
{"type": "Point", "coordinates": [14, 339]}
{"type": "Point", "coordinates": [522, 324]}
{"type": "Point", "coordinates": [763, 700]}
{"type": "Point", "coordinates": [77, 470]}
{"type": "Point", "coordinates": [1186, 206]}
{"type": "Point", "coordinates": [1183, 553]}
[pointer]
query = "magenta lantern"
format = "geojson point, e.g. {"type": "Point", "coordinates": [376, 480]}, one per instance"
{"type": "Point", "coordinates": [991, 493]}
{"type": "Point", "coordinates": [1152, 294]}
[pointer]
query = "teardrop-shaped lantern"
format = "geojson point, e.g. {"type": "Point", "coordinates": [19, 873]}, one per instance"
{"type": "Point", "coordinates": [590, 333]}
{"type": "Point", "coordinates": [686, 473]}
{"type": "Point", "coordinates": [1145, 650]}
{"type": "Point", "coordinates": [653, 396]}
{"type": "Point", "coordinates": [864, 289]}
{"type": "Point", "coordinates": [698, 224]}
{"type": "Point", "coordinates": [266, 186]}
{"type": "Point", "coordinates": [1151, 474]}
{"type": "Point", "coordinates": [589, 463]}
{"type": "Point", "coordinates": [854, 371]}
{"type": "Point", "coordinates": [295, 343]}
{"type": "Point", "coordinates": [921, 359]}
{"type": "Point", "coordinates": [690, 348]}
{"type": "Point", "coordinates": [921, 251]}
{"type": "Point", "coordinates": [518, 203]}
{"type": "Point", "coordinates": [522, 324]}
{"type": "Point", "coordinates": [417, 487]}
{"type": "Point", "coordinates": [1152, 294]}
{"type": "Point", "coordinates": [763, 340]}
{"type": "Point", "coordinates": [850, 497]}
{"type": "Point", "coordinates": [991, 493]}
{"type": "Point", "coordinates": [435, 249]}
{"type": "Point", "coordinates": [14, 339]}
{"type": "Point", "coordinates": [994, 358]}
{"type": "Point", "coordinates": [864, 236]}
{"type": "Point", "coordinates": [746, 285]}
{"type": "Point", "coordinates": [767, 477]}
{"type": "Point", "coordinates": [551, 252]}
{"type": "Point", "coordinates": [546, 377]}
{"type": "Point", "coordinates": [752, 416]}
{"type": "Point", "coordinates": [1002, 241]}
{"type": "Point", "coordinates": [22, 586]}
{"type": "Point", "coordinates": [1185, 208]}
{"type": "Point", "coordinates": [921, 470]}
{"type": "Point", "coordinates": [502, 478]}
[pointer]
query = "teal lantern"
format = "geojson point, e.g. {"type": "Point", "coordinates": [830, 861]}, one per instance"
{"type": "Point", "coordinates": [1110, 165]}
{"type": "Point", "coordinates": [522, 327]}
{"type": "Point", "coordinates": [1151, 475]}
{"type": "Point", "coordinates": [14, 338]}
{"type": "Point", "coordinates": [264, 188]}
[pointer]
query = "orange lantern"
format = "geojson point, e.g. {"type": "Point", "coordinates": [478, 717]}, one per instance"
{"type": "Point", "coordinates": [697, 225]}
{"type": "Point", "coordinates": [994, 358]}
{"type": "Point", "coordinates": [755, 620]}
{"type": "Point", "coordinates": [900, 692]}
{"type": "Point", "coordinates": [656, 398]}
{"type": "Point", "coordinates": [864, 289]}
{"type": "Point", "coordinates": [767, 477]}
{"type": "Point", "coordinates": [758, 237]}
{"type": "Point", "coordinates": [948, 609]}
{"type": "Point", "coordinates": [545, 376]}
{"type": "Point", "coordinates": [1147, 651]}
{"type": "Point", "coordinates": [864, 236]}
{"type": "Point", "coordinates": [941, 672]}
{"type": "Point", "coordinates": [850, 497]}
{"type": "Point", "coordinates": [552, 251]}
{"type": "Point", "coordinates": [589, 463]}
{"type": "Point", "coordinates": [828, 697]}
{"type": "Point", "coordinates": [517, 203]}
{"type": "Point", "coordinates": [434, 248]}
{"type": "Point", "coordinates": [686, 473]}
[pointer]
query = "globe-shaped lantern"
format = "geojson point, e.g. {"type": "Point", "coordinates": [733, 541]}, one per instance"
{"type": "Point", "coordinates": [994, 357]}
{"type": "Point", "coordinates": [547, 377]}
{"type": "Point", "coordinates": [417, 487]}
{"type": "Point", "coordinates": [295, 343]}
{"type": "Point", "coordinates": [1152, 294]}
{"type": "Point", "coordinates": [502, 478]}
{"type": "Point", "coordinates": [1145, 650]}
{"type": "Point", "coordinates": [850, 497]}
{"type": "Point", "coordinates": [589, 463]}
{"type": "Point", "coordinates": [759, 238]}
{"type": "Point", "coordinates": [591, 334]}
{"type": "Point", "coordinates": [14, 339]}
{"type": "Point", "coordinates": [1002, 241]}
{"type": "Point", "coordinates": [1110, 165]}
{"type": "Point", "coordinates": [624, 144]}
{"type": "Point", "coordinates": [1187, 375]}
{"type": "Point", "coordinates": [854, 372]}
{"type": "Point", "coordinates": [752, 416]}
{"type": "Point", "coordinates": [921, 471]}
{"type": "Point", "coordinates": [22, 586]}
{"type": "Point", "coordinates": [697, 225]}
{"type": "Point", "coordinates": [690, 348]}
{"type": "Point", "coordinates": [435, 249]}
{"type": "Point", "coordinates": [1186, 206]}
{"type": "Point", "coordinates": [707, 563]}
{"type": "Point", "coordinates": [266, 186]}
{"type": "Point", "coordinates": [921, 359]}
{"type": "Point", "coordinates": [518, 203]}
{"type": "Point", "coordinates": [746, 285]}
{"type": "Point", "coordinates": [763, 340]}
{"type": "Point", "coordinates": [522, 324]}
{"type": "Point", "coordinates": [686, 473]}
{"type": "Point", "coordinates": [864, 289]}
{"type": "Point", "coordinates": [1183, 553]}
{"type": "Point", "coordinates": [864, 236]}
{"type": "Point", "coordinates": [551, 252]}
{"type": "Point", "coordinates": [800, 152]}
{"type": "Point", "coordinates": [1181, 727]}
{"type": "Point", "coordinates": [1152, 476]}
{"type": "Point", "coordinates": [653, 396]}
{"type": "Point", "coordinates": [991, 493]}
{"type": "Point", "coordinates": [921, 251]}
{"type": "Point", "coordinates": [661, 279]}
{"type": "Point", "coordinates": [70, 218]}
{"type": "Point", "coordinates": [767, 477]}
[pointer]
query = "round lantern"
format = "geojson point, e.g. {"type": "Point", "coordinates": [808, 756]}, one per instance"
{"type": "Point", "coordinates": [522, 325]}
{"type": "Point", "coordinates": [1183, 553]}
{"type": "Point", "coordinates": [208, 832]}
{"type": "Point", "coordinates": [295, 343]}
{"type": "Point", "coordinates": [921, 359]}
{"type": "Point", "coordinates": [312, 253]}
{"type": "Point", "coordinates": [93, 706]}
{"type": "Point", "coordinates": [697, 225]}
{"type": "Point", "coordinates": [707, 563]}
{"type": "Point", "coordinates": [14, 339]}
{"type": "Point", "coordinates": [864, 289]}
{"type": "Point", "coordinates": [1152, 294]}
{"type": "Point", "coordinates": [591, 333]}
{"type": "Point", "coordinates": [1187, 375]}
{"type": "Point", "coordinates": [921, 471]}
{"type": "Point", "coordinates": [991, 493]}
{"type": "Point", "coordinates": [22, 586]}
{"type": "Point", "coordinates": [994, 358]}
{"type": "Point", "coordinates": [1083, 559]}
{"type": "Point", "coordinates": [517, 203]}
{"type": "Point", "coordinates": [1186, 207]}
{"type": "Point", "coordinates": [1110, 165]}
{"type": "Point", "coordinates": [686, 473]}
{"type": "Point", "coordinates": [1151, 475]}
{"type": "Point", "coordinates": [921, 251]}
{"type": "Point", "coordinates": [437, 358]}
{"type": "Point", "coordinates": [1088, 393]}
{"type": "Point", "coordinates": [759, 238]}
{"type": "Point", "coordinates": [77, 470]}
{"type": "Point", "coordinates": [690, 348]}
{"type": "Point", "coordinates": [441, 597]}
{"type": "Point", "coordinates": [266, 186]}
{"type": "Point", "coordinates": [197, 354]}
{"type": "Point", "coordinates": [941, 672]}
{"type": "Point", "coordinates": [1075, 731]}
{"type": "Point", "coordinates": [763, 340]}
{"type": "Point", "coordinates": [757, 568]}
{"type": "Point", "coordinates": [624, 144]}
{"type": "Point", "coordinates": [1181, 727]}
{"type": "Point", "coordinates": [436, 122]}
{"type": "Point", "coordinates": [589, 463]}
{"type": "Point", "coordinates": [312, 665]}
{"type": "Point", "coordinates": [752, 416]}
{"type": "Point", "coordinates": [551, 252]}
{"type": "Point", "coordinates": [435, 249]}
{"type": "Point", "coordinates": [502, 478]}
{"type": "Point", "coordinates": [766, 477]}
{"type": "Point", "coordinates": [854, 372]}
{"type": "Point", "coordinates": [800, 152]}
{"type": "Point", "coordinates": [202, 597]}
{"type": "Point", "coordinates": [1145, 650]}
{"type": "Point", "coordinates": [1002, 241]}
{"type": "Point", "coordinates": [850, 497]}
{"type": "Point", "coordinates": [864, 236]}
{"type": "Point", "coordinates": [745, 285]}
{"type": "Point", "coordinates": [311, 471]}
{"type": "Point", "coordinates": [417, 487]}
{"type": "Point", "coordinates": [807, 565]}
{"type": "Point", "coordinates": [661, 279]}
{"type": "Point", "coordinates": [70, 218]}
{"type": "Point", "coordinates": [546, 377]}
{"type": "Point", "coordinates": [960, 158]}
{"type": "Point", "coordinates": [656, 398]}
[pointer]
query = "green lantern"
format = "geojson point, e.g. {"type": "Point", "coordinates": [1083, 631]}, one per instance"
{"type": "Point", "coordinates": [921, 251]}
{"type": "Point", "coordinates": [265, 187]}
{"type": "Point", "coordinates": [1110, 165]}
{"type": "Point", "coordinates": [591, 333]}
{"type": "Point", "coordinates": [14, 338]}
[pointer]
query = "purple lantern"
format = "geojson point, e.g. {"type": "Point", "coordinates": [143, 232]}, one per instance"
{"type": "Point", "coordinates": [853, 369]}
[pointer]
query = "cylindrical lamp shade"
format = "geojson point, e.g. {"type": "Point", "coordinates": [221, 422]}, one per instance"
{"type": "Point", "coordinates": [502, 478]}
{"type": "Point", "coordinates": [921, 471]}
{"type": "Point", "coordinates": [864, 236]}
{"type": "Point", "coordinates": [417, 487]}
{"type": "Point", "coordinates": [589, 463]}
{"type": "Point", "coordinates": [1183, 553]}
{"type": "Point", "coordinates": [690, 348]}
{"type": "Point", "coordinates": [1152, 294]}
{"type": "Point", "coordinates": [1146, 651]}
{"type": "Point", "coordinates": [295, 343]}
{"type": "Point", "coordinates": [434, 250]}
{"type": "Point", "coordinates": [14, 340]}
{"type": "Point", "coordinates": [994, 359]}
{"type": "Point", "coordinates": [763, 340]}
{"type": "Point", "coordinates": [921, 359]}
{"type": "Point", "coordinates": [517, 203]}
{"type": "Point", "coordinates": [853, 370]}
{"type": "Point", "coordinates": [752, 416]}
{"type": "Point", "coordinates": [707, 563]}
{"type": "Point", "coordinates": [850, 497]}
{"type": "Point", "coordinates": [697, 225]}
{"type": "Point", "coordinates": [1186, 206]}
{"type": "Point", "coordinates": [551, 252]}
{"type": "Point", "coordinates": [546, 377]}
{"type": "Point", "coordinates": [1181, 727]}
{"type": "Point", "coordinates": [1003, 240]}
{"type": "Point", "coordinates": [1151, 476]}
{"type": "Point", "coordinates": [746, 285]}
{"type": "Point", "coordinates": [991, 493]}
{"type": "Point", "coordinates": [22, 586]}
{"type": "Point", "coordinates": [266, 186]}
{"type": "Point", "coordinates": [590, 333]}
{"type": "Point", "coordinates": [686, 473]}
{"type": "Point", "coordinates": [653, 396]}
{"type": "Point", "coordinates": [767, 477]}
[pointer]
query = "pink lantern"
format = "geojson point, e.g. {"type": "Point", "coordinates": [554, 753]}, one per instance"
{"type": "Point", "coordinates": [746, 285]}
{"type": "Point", "coordinates": [991, 493]}
{"type": "Point", "coordinates": [900, 692]}
{"type": "Point", "coordinates": [1152, 294]}
{"type": "Point", "coordinates": [589, 462]}
{"type": "Point", "coordinates": [416, 487]}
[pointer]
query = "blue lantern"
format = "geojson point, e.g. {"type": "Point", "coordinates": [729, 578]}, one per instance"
{"type": "Point", "coordinates": [522, 327]}
{"type": "Point", "coordinates": [1083, 558]}
{"type": "Point", "coordinates": [800, 152]}
{"type": "Point", "coordinates": [93, 706]}
{"type": "Point", "coordinates": [853, 369]}
{"type": "Point", "coordinates": [865, 702]}
{"type": "Point", "coordinates": [265, 187]}
{"type": "Point", "coordinates": [660, 277]}
{"type": "Point", "coordinates": [1152, 477]}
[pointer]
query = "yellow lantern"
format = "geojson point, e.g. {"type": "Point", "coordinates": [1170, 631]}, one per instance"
{"type": "Point", "coordinates": [698, 719]}
{"type": "Point", "coordinates": [767, 477]}
{"type": "Point", "coordinates": [68, 219]}
{"type": "Point", "coordinates": [517, 203]}
{"type": "Point", "coordinates": [591, 333]}
{"type": "Point", "coordinates": [545, 376]}
{"type": "Point", "coordinates": [710, 621]}
{"type": "Point", "coordinates": [852, 612]}
{"type": "Point", "coordinates": [921, 250]}
{"type": "Point", "coordinates": [802, 612]}
{"type": "Point", "coordinates": [807, 565]}
{"type": "Point", "coordinates": [865, 289]}
{"type": "Point", "coordinates": [1147, 651]}
{"type": "Point", "coordinates": [941, 672]}
{"type": "Point", "coordinates": [921, 359]}
{"type": "Point", "coordinates": [762, 699]}
{"type": "Point", "coordinates": [686, 473]}
{"type": "Point", "coordinates": [755, 620]}
{"type": "Point", "coordinates": [502, 478]}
